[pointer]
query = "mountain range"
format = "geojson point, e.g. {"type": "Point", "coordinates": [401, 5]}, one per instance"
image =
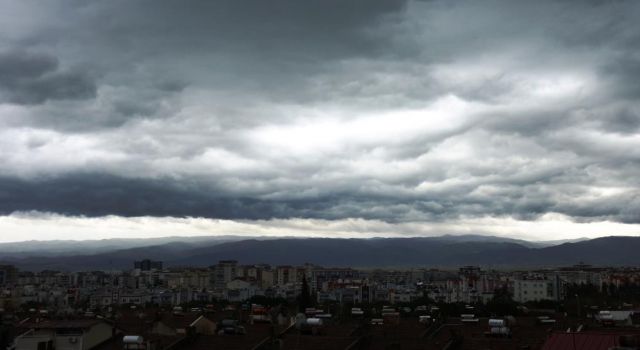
{"type": "Point", "coordinates": [443, 251]}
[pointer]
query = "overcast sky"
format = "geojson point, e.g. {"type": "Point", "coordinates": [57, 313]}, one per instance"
{"type": "Point", "coordinates": [319, 117]}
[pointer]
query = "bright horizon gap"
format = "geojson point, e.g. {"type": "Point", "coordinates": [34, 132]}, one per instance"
{"type": "Point", "coordinates": [39, 226]}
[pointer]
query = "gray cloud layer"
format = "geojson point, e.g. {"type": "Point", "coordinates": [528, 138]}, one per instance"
{"type": "Point", "coordinates": [376, 109]}
{"type": "Point", "coordinates": [27, 78]}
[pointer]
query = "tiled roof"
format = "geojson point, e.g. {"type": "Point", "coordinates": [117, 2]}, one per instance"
{"type": "Point", "coordinates": [584, 341]}
{"type": "Point", "coordinates": [180, 321]}
{"type": "Point", "coordinates": [59, 324]}
{"type": "Point", "coordinates": [255, 335]}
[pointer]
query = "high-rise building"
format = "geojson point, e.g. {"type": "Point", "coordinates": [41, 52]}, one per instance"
{"type": "Point", "coordinates": [223, 272]}
{"type": "Point", "coordinates": [147, 265]}
{"type": "Point", "coordinates": [8, 275]}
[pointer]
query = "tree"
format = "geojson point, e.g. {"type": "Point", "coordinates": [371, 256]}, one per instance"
{"type": "Point", "coordinates": [304, 299]}
{"type": "Point", "coordinates": [502, 303]}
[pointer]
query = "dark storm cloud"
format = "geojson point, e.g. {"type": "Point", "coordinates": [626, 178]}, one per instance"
{"type": "Point", "coordinates": [15, 66]}
{"type": "Point", "coordinates": [625, 120]}
{"type": "Point", "coordinates": [33, 78]}
{"type": "Point", "coordinates": [622, 75]}
{"type": "Point", "coordinates": [391, 110]}
{"type": "Point", "coordinates": [99, 195]}
{"type": "Point", "coordinates": [148, 52]}
{"type": "Point", "coordinates": [283, 27]}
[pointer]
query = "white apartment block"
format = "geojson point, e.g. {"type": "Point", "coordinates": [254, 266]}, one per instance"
{"type": "Point", "coordinates": [535, 290]}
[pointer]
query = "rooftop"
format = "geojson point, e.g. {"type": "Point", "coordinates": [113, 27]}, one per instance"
{"type": "Point", "coordinates": [62, 324]}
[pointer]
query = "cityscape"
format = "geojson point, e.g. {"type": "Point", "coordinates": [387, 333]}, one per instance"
{"type": "Point", "coordinates": [230, 305]}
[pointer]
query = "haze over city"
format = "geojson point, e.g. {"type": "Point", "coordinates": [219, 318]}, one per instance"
{"type": "Point", "coordinates": [335, 118]}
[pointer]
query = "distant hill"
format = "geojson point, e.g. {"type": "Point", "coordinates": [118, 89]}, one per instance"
{"type": "Point", "coordinates": [375, 252]}
{"type": "Point", "coordinates": [71, 247]}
